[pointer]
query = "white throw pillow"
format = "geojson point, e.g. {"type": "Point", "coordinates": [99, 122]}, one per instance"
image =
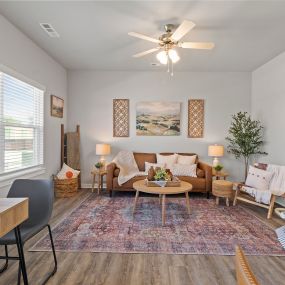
{"type": "Point", "coordinates": [186, 159]}
{"type": "Point", "coordinates": [167, 160]}
{"type": "Point", "coordinates": [184, 170]}
{"type": "Point", "coordinates": [148, 165]}
{"type": "Point", "coordinates": [65, 168]}
{"type": "Point", "coordinates": [258, 178]}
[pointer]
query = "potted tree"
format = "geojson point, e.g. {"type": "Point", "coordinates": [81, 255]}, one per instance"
{"type": "Point", "coordinates": [245, 138]}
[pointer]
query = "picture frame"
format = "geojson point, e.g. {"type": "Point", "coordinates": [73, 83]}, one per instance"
{"type": "Point", "coordinates": [121, 118]}
{"type": "Point", "coordinates": [56, 106]}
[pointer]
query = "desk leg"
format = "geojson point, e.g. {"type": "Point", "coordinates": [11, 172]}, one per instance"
{"type": "Point", "coordinates": [21, 255]}
{"type": "Point", "coordinates": [93, 182]}
{"type": "Point", "coordinates": [99, 183]}
{"type": "Point", "coordinates": [163, 209]}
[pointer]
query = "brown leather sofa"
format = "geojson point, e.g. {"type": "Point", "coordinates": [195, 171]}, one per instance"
{"type": "Point", "coordinates": [201, 183]}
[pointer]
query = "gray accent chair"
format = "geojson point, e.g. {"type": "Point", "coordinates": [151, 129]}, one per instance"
{"type": "Point", "coordinates": [41, 196]}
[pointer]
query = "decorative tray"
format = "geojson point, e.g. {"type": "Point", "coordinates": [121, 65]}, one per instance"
{"type": "Point", "coordinates": [174, 183]}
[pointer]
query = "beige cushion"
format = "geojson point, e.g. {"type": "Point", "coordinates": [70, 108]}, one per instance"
{"type": "Point", "coordinates": [186, 159]}
{"type": "Point", "coordinates": [258, 178]}
{"type": "Point", "coordinates": [168, 160]}
{"type": "Point", "coordinates": [184, 170]}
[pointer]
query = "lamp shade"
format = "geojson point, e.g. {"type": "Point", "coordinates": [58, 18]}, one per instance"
{"type": "Point", "coordinates": [216, 150]}
{"type": "Point", "coordinates": [103, 149]}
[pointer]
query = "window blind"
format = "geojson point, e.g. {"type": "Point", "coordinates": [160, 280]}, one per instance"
{"type": "Point", "coordinates": [21, 124]}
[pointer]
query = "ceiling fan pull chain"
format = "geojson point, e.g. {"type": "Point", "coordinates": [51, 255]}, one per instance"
{"type": "Point", "coordinates": [172, 68]}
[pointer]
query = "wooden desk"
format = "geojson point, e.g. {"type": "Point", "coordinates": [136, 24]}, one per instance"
{"type": "Point", "coordinates": [14, 211]}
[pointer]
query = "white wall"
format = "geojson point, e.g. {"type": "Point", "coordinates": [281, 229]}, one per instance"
{"type": "Point", "coordinates": [268, 106]}
{"type": "Point", "coordinates": [90, 105]}
{"type": "Point", "coordinates": [19, 53]}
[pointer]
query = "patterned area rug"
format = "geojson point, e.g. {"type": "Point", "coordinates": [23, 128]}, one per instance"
{"type": "Point", "coordinates": [103, 224]}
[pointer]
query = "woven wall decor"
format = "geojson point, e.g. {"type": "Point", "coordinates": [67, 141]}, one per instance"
{"type": "Point", "coordinates": [120, 117]}
{"type": "Point", "coordinates": [195, 118]}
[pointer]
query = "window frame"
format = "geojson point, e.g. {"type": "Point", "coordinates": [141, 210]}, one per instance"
{"type": "Point", "coordinates": [27, 172]}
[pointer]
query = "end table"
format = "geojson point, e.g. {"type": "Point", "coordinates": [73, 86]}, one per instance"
{"type": "Point", "coordinates": [100, 174]}
{"type": "Point", "coordinates": [220, 174]}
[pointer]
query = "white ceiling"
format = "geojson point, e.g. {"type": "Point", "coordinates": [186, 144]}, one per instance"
{"type": "Point", "coordinates": [93, 34]}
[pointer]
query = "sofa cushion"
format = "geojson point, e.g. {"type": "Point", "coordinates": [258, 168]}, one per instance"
{"type": "Point", "coordinates": [186, 159]}
{"type": "Point", "coordinates": [182, 153]}
{"type": "Point", "coordinates": [168, 160]}
{"type": "Point", "coordinates": [141, 158]}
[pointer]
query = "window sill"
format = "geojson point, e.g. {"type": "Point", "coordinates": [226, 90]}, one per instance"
{"type": "Point", "coordinates": [7, 180]}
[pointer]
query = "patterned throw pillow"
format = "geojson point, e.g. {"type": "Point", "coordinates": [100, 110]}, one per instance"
{"type": "Point", "coordinates": [258, 178]}
{"type": "Point", "coordinates": [148, 165]}
{"type": "Point", "coordinates": [64, 172]}
{"type": "Point", "coordinates": [167, 160]}
{"type": "Point", "coordinates": [186, 159]}
{"type": "Point", "coordinates": [184, 170]}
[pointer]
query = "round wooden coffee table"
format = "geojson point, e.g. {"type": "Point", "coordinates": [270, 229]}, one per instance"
{"type": "Point", "coordinates": [140, 186]}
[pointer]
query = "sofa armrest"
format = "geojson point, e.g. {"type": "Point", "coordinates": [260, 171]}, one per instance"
{"type": "Point", "coordinates": [110, 175]}
{"type": "Point", "coordinates": [208, 174]}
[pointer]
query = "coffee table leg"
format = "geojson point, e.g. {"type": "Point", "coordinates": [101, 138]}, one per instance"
{"type": "Point", "coordinates": [187, 202]}
{"type": "Point", "coordinates": [136, 200]}
{"type": "Point", "coordinates": [163, 209]}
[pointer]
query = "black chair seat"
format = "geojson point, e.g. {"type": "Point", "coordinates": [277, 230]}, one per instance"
{"type": "Point", "coordinates": [27, 232]}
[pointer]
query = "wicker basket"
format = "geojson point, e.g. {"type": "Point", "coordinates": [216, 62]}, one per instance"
{"type": "Point", "coordinates": [64, 188]}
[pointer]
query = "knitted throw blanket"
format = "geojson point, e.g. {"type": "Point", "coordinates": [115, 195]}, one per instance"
{"type": "Point", "coordinates": [128, 167]}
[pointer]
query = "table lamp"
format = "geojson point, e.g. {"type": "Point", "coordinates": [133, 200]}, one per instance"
{"type": "Point", "coordinates": [103, 149]}
{"type": "Point", "coordinates": [215, 151]}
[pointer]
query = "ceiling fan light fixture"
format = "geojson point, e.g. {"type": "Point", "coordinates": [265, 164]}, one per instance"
{"type": "Point", "coordinates": [162, 57]}
{"type": "Point", "coordinates": [173, 55]}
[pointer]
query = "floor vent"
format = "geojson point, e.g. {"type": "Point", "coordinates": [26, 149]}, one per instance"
{"type": "Point", "coordinates": [48, 28]}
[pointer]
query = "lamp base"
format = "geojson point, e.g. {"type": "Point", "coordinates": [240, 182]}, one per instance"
{"type": "Point", "coordinates": [215, 162]}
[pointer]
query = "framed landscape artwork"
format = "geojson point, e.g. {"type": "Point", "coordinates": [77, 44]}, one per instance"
{"type": "Point", "coordinates": [56, 106]}
{"type": "Point", "coordinates": [158, 118]}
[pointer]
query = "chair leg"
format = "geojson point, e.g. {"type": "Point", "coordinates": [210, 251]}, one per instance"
{"type": "Point", "coordinates": [54, 257]}
{"type": "Point", "coordinates": [5, 266]}
{"type": "Point", "coordinates": [235, 199]}
{"type": "Point", "coordinates": [271, 207]}
{"type": "Point", "coordinates": [19, 275]}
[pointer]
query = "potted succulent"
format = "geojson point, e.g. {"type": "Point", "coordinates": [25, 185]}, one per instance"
{"type": "Point", "coordinates": [218, 168]}
{"type": "Point", "coordinates": [161, 177]}
{"type": "Point", "coordinates": [99, 165]}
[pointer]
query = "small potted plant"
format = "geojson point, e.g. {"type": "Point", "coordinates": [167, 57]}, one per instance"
{"type": "Point", "coordinates": [161, 177]}
{"type": "Point", "coordinates": [218, 168]}
{"type": "Point", "coordinates": [99, 165]}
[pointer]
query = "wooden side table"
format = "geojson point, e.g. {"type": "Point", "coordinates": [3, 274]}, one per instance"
{"type": "Point", "coordinates": [219, 175]}
{"type": "Point", "coordinates": [99, 173]}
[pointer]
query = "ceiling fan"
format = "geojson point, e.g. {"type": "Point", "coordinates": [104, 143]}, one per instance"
{"type": "Point", "coordinates": [170, 40]}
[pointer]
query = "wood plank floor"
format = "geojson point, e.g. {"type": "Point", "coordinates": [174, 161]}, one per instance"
{"type": "Point", "coordinates": [139, 269]}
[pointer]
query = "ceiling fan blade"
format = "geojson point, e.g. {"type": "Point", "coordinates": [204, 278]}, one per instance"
{"type": "Point", "coordinates": [197, 45]}
{"type": "Point", "coordinates": [146, 52]}
{"type": "Point", "coordinates": [182, 30]}
{"type": "Point", "coordinates": [143, 37]}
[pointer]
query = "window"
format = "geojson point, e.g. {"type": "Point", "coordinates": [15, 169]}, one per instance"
{"type": "Point", "coordinates": [21, 124]}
